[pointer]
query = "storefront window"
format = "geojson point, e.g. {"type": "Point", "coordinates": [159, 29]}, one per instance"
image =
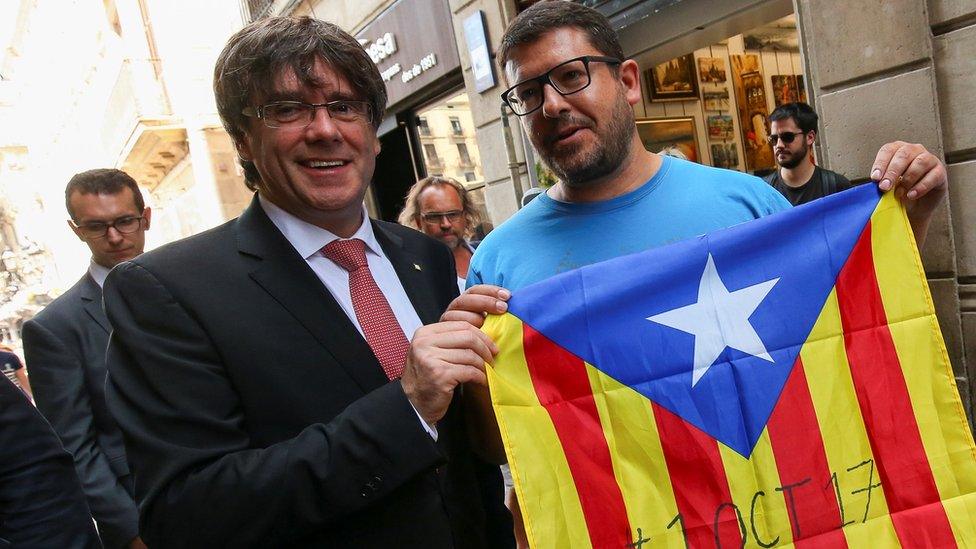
{"type": "Point", "coordinates": [712, 104]}
{"type": "Point", "coordinates": [446, 132]}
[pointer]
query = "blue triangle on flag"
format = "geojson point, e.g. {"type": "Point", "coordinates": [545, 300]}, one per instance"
{"type": "Point", "coordinates": [600, 312]}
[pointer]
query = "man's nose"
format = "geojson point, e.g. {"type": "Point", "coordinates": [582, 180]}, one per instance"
{"type": "Point", "coordinates": [553, 102]}
{"type": "Point", "coordinates": [113, 235]}
{"type": "Point", "coordinates": [323, 126]}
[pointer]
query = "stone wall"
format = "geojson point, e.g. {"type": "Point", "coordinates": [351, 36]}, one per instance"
{"type": "Point", "coordinates": [904, 69]}
{"type": "Point", "coordinates": [501, 193]}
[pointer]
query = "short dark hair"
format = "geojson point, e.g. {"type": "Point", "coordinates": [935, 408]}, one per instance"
{"type": "Point", "coordinates": [410, 216]}
{"type": "Point", "coordinates": [256, 54]}
{"type": "Point", "coordinates": [102, 181]}
{"type": "Point", "coordinates": [550, 15]}
{"type": "Point", "coordinates": [801, 113]}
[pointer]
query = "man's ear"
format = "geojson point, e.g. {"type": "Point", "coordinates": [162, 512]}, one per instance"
{"type": "Point", "coordinates": [147, 213]}
{"type": "Point", "coordinates": [811, 137]}
{"type": "Point", "coordinates": [243, 148]}
{"type": "Point", "coordinates": [629, 74]}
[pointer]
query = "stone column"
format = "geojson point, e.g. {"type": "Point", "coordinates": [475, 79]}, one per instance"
{"type": "Point", "coordinates": [901, 69]}
{"type": "Point", "coordinates": [953, 25]}
{"type": "Point", "coordinates": [500, 191]}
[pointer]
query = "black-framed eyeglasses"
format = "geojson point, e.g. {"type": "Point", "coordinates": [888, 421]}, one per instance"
{"type": "Point", "coordinates": [566, 78]}
{"type": "Point", "coordinates": [785, 137]}
{"type": "Point", "coordinates": [297, 114]}
{"type": "Point", "coordinates": [97, 229]}
{"type": "Point", "coordinates": [434, 218]}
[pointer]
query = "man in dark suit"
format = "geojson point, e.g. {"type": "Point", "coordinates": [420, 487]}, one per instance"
{"type": "Point", "coordinates": [263, 372]}
{"type": "Point", "coordinates": [65, 349]}
{"type": "Point", "coordinates": [41, 502]}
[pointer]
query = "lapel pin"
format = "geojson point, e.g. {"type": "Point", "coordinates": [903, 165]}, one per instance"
{"type": "Point", "coordinates": [415, 266]}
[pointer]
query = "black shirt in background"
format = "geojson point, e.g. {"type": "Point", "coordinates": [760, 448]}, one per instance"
{"type": "Point", "coordinates": [821, 183]}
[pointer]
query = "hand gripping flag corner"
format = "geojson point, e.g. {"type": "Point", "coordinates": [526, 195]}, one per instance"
{"type": "Point", "coordinates": [782, 382]}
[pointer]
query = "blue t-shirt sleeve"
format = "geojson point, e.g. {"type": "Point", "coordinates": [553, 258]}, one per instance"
{"type": "Point", "coordinates": [473, 278]}
{"type": "Point", "coordinates": [776, 202]}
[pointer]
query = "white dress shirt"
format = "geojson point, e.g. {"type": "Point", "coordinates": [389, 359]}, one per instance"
{"type": "Point", "coordinates": [98, 272]}
{"type": "Point", "coordinates": [308, 240]}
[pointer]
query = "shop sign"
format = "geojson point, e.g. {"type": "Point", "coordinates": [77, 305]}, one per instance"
{"type": "Point", "coordinates": [382, 48]}
{"type": "Point", "coordinates": [412, 44]}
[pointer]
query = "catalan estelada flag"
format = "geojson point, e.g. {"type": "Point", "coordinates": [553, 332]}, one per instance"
{"type": "Point", "coordinates": [782, 382]}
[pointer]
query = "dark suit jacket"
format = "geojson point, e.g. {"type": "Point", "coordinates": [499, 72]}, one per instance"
{"type": "Point", "coordinates": [41, 502]}
{"type": "Point", "coordinates": [254, 412]}
{"type": "Point", "coordinates": [65, 350]}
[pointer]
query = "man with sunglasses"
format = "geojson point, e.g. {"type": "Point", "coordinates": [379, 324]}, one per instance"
{"type": "Point", "coordinates": [65, 349]}
{"type": "Point", "coordinates": [442, 209]}
{"type": "Point", "coordinates": [793, 130]}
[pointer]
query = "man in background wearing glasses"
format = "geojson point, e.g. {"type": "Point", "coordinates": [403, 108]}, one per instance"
{"type": "Point", "coordinates": [793, 129]}
{"type": "Point", "coordinates": [283, 379]}
{"type": "Point", "coordinates": [441, 208]}
{"type": "Point", "coordinates": [65, 349]}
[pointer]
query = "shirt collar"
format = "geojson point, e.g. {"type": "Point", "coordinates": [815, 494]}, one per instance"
{"type": "Point", "coordinates": [308, 239]}
{"type": "Point", "coordinates": [97, 272]}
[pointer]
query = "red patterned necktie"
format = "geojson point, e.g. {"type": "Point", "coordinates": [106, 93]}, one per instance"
{"type": "Point", "coordinates": [383, 332]}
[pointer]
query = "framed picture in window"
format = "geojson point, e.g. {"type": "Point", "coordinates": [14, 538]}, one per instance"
{"type": "Point", "coordinates": [672, 136]}
{"type": "Point", "coordinates": [675, 80]}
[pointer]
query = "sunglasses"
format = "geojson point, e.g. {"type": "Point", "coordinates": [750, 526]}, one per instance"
{"type": "Point", "coordinates": [786, 137]}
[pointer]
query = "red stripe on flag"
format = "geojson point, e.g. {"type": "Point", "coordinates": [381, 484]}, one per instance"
{"type": "Point", "coordinates": [563, 388]}
{"type": "Point", "coordinates": [882, 394]}
{"type": "Point", "coordinates": [701, 487]}
{"type": "Point", "coordinates": [798, 446]}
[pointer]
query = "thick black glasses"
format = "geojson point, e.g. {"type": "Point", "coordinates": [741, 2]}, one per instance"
{"type": "Point", "coordinates": [786, 137]}
{"type": "Point", "coordinates": [566, 78]}
{"type": "Point", "coordinates": [125, 225]}
{"type": "Point", "coordinates": [298, 115]}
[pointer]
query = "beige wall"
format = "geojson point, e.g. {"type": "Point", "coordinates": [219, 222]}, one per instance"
{"type": "Point", "coordinates": [350, 16]}
{"type": "Point", "coordinates": [872, 86]}
{"type": "Point", "coordinates": [501, 193]}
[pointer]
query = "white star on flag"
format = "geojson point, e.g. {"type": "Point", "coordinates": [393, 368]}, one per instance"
{"type": "Point", "coordinates": [719, 319]}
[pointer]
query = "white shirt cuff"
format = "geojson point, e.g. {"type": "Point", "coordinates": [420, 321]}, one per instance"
{"type": "Point", "coordinates": [431, 430]}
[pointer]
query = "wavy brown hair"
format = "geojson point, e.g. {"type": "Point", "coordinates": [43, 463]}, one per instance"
{"type": "Point", "coordinates": [256, 56]}
{"type": "Point", "coordinates": [410, 216]}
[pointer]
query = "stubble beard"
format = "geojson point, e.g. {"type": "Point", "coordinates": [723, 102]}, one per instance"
{"type": "Point", "coordinates": [451, 243]}
{"type": "Point", "coordinates": [579, 168]}
{"type": "Point", "coordinates": [796, 158]}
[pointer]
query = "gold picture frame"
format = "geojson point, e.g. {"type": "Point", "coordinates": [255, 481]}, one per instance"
{"type": "Point", "coordinates": [671, 135]}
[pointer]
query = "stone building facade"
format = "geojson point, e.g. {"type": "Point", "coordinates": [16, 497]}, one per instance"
{"type": "Point", "coordinates": [111, 83]}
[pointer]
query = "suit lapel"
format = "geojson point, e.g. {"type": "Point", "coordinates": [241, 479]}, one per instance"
{"type": "Point", "coordinates": [91, 302]}
{"type": "Point", "coordinates": [284, 274]}
{"type": "Point", "coordinates": [412, 271]}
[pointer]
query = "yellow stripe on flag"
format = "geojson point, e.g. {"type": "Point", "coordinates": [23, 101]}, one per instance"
{"type": "Point", "coordinates": [845, 437]}
{"type": "Point", "coordinates": [534, 451]}
{"type": "Point", "coordinates": [643, 477]}
{"type": "Point", "coordinates": [931, 384]}
{"type": "Point", "coordinates": [747, 477]}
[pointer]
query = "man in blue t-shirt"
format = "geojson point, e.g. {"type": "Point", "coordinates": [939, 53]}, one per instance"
{"type": "Point", "coordinates": [574, 92]}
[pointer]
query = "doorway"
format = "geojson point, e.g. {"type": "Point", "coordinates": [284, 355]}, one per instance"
{"type": "Point", "coordinates": [394, 173]}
